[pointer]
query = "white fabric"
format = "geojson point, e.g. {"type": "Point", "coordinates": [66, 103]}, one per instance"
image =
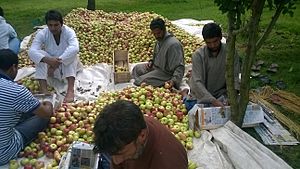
{"type": "Point", "coordinates": [244, 151]}
{"type": "Point", "coordinates": [208, 155]}
{"type": "Point", "coordinates": [61, 72]}
{"type": "Point", "coordinates": [6, 32]}
{"type": "Point", "coordinates": [44, 42]}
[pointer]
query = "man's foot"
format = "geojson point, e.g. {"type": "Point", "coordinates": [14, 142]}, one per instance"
{"type": "Point", "coordinates": [69, 97]}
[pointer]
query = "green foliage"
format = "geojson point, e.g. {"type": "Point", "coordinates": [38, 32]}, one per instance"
{"type": "Point", "coordinates": [234, 7]}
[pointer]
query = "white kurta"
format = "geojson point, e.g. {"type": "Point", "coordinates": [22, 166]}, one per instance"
{"type": "Point", "coordinates": [44, 45]}
{"type": "Point", "coordinates": [7, 32]}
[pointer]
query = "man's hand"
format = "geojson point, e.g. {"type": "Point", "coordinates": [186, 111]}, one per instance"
{"type": "Point", "coordinates": [169, 84]}
{"type": "Point", "coordinates": [149, 65]}
{"type": "Point", "coordinates": [217, 103]}
{"type": "Point", "coordinates": [52, 62]}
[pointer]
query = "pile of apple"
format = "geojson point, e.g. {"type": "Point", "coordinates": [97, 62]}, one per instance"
{"type": "Point", "coordinates": [100, 33]}
{"type": "Point", "coordinates": [121, 68]}
{"type": "Point", "coordinates": [74, 121]}
{"type": "Point", "coordinates": [32, 85]}
{"type": "Point", "coordinates": [24, 60]}
{"type": "Point", "coordinates": [161, 104]}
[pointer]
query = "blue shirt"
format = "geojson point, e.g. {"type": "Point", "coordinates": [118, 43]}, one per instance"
{"type": "Point", "coordinates": [7, 32]}
{"type": "Point", "coordinates": [14, 101]}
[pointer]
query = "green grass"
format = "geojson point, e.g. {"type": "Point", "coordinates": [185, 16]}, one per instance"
{"type": "Point", "coordinates": [282, 47]}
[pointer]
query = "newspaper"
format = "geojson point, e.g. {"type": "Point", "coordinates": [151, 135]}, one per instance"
{"type": "Point", "coordinates": [273, 133]}
{"type": "Point", "coordinates": [214, 117]}
{"type": "Point", "coordinates": [79, 156]}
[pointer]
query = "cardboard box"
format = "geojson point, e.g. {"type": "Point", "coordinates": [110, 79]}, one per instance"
{"type": "Point", "coordinates": [214, 117]}
{"type": "Point", "coordinates": [80, 156]}
{"type": "Point", "coordinates": [121, 66]}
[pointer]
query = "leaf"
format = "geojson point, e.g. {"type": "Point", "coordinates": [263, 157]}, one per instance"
{"type": "Point", "coordinates": [291, 69]}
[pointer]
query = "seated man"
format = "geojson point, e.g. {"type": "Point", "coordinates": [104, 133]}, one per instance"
{"type": "Point", "coordinates": [22, 116]}
{"type": "Point", "coordinates": [208, 83]}
{"type": "Point", "coordinates": [54, 51]}
{"type": "Point", "coordinates": [167, 64]}
{"type": "Point", "coordinates": [8, 36]}
{"type": "Point", "coordinates": [136, 142]}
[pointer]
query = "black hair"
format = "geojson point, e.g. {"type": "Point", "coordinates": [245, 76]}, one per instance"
{"type": "Point", "coordinates": [211, 30]}
{"type": "Point", "coordinates": [117, 125]}
{"type": "Point", "coordinates": [7, 59]}
{"type": "Point", "coordinates": [53, 15]}
{"type": "Point", "coordinates": [1, 12]}
{"type": "Point", "coordinates": [158, 23]}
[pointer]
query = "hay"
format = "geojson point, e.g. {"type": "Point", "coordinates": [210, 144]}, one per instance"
{"type": "Point", "coordinates": [262, 97]}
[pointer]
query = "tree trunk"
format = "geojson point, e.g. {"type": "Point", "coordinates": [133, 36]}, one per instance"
{"type": "Point", "coordinates": [230, 57]}
{"type": "Point", "coordinates": [256, 8]}
{"type": "Point", "coordinates": [239, 104]}
{"type": "Point", "coordinates": [91, 5]}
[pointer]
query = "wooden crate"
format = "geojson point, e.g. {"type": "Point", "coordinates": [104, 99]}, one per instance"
{"type": "Point", "coordinates": [121, 66]}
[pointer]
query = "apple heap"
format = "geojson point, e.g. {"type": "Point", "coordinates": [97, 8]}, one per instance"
{"type": "Point", "coordinates": [32, 85]}
{"type": "Point", "coordinates": [100, 33]}
{"type": "Point", "coordinates": [160, 103]}
{"type": "Point", "coordinates": [121, 69]}
{"type": "Point", "coordinates": [24, 60]}
{"type": "Point", "coordinates": [75, 121]}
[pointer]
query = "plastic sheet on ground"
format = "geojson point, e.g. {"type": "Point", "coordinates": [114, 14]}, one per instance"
{"type": "Point", "coordinates": [244, 151]}
{"type": "Point", "coordinates": [208, 155]}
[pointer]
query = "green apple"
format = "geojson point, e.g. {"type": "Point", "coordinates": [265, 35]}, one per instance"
{"type": "Point", "coordinates": [24, 161]}
{"type": "Point", "coordinates": [13, 164]}
{"type": "Point", "coordinates": [197, 134]}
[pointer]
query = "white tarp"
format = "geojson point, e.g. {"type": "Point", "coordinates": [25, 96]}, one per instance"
{"type": "Point", "coordinates": [244, 151]}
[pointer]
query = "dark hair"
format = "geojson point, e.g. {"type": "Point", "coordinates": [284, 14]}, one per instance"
{"type": "Point", "coordinates": [53, 15]}
{"type": "Point", "coordinates": [117, 125]}
{"type": "Point", "coordinates": [1, 12]}
{"type": "Point", "coordinates": [7, 59]}
{"type": "Point", "coordinates": [158, 23]}
{"type": "Point", "coordinates": [211, 30]}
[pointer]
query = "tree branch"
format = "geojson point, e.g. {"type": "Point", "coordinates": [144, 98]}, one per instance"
{"type": "Point", "coordinates": [268, 30]}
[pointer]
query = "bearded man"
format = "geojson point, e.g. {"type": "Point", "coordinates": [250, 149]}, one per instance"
{"type": "Point", "coordinates": [208, 82]}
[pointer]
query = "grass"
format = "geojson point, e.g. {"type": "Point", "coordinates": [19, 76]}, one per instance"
{"type": "Point", "coordinates": [282, 47]}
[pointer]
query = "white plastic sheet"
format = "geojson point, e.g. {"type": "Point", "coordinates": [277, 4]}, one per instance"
{"type": "Point", "coordinates": [244, 151]}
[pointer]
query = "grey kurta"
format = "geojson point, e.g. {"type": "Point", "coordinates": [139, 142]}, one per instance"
{"type": "Point", "coordinates": [208, 74]}
{"type": "Point", "coordinates": [168, 64]}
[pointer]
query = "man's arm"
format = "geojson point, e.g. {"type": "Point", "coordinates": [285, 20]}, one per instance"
{"type": "Point", "coordinates": [73, 47]}
{"type": "Point", "coordinates": [35, 52]}
{"type": "Point", "coordinates": [45, 110]}
{"type": "Point", "coordinates": [25, 102]}
{"type": "Point", "coordinates": [13, 33]}
{"type": "Point", "coordinates": [198, 78]}
{"type": "Point", "coordinates": [176, 62]}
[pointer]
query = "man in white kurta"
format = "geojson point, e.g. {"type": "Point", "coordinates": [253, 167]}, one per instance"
{"type": "Point", "coordinates": [54, 51]}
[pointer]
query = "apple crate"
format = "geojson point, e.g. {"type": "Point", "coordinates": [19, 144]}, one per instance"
{"type": "Point", "coordinates": [121, 66]}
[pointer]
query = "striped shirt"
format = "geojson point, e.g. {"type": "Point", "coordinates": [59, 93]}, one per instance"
{"type": "Point", "coordinates": [14, 100]}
